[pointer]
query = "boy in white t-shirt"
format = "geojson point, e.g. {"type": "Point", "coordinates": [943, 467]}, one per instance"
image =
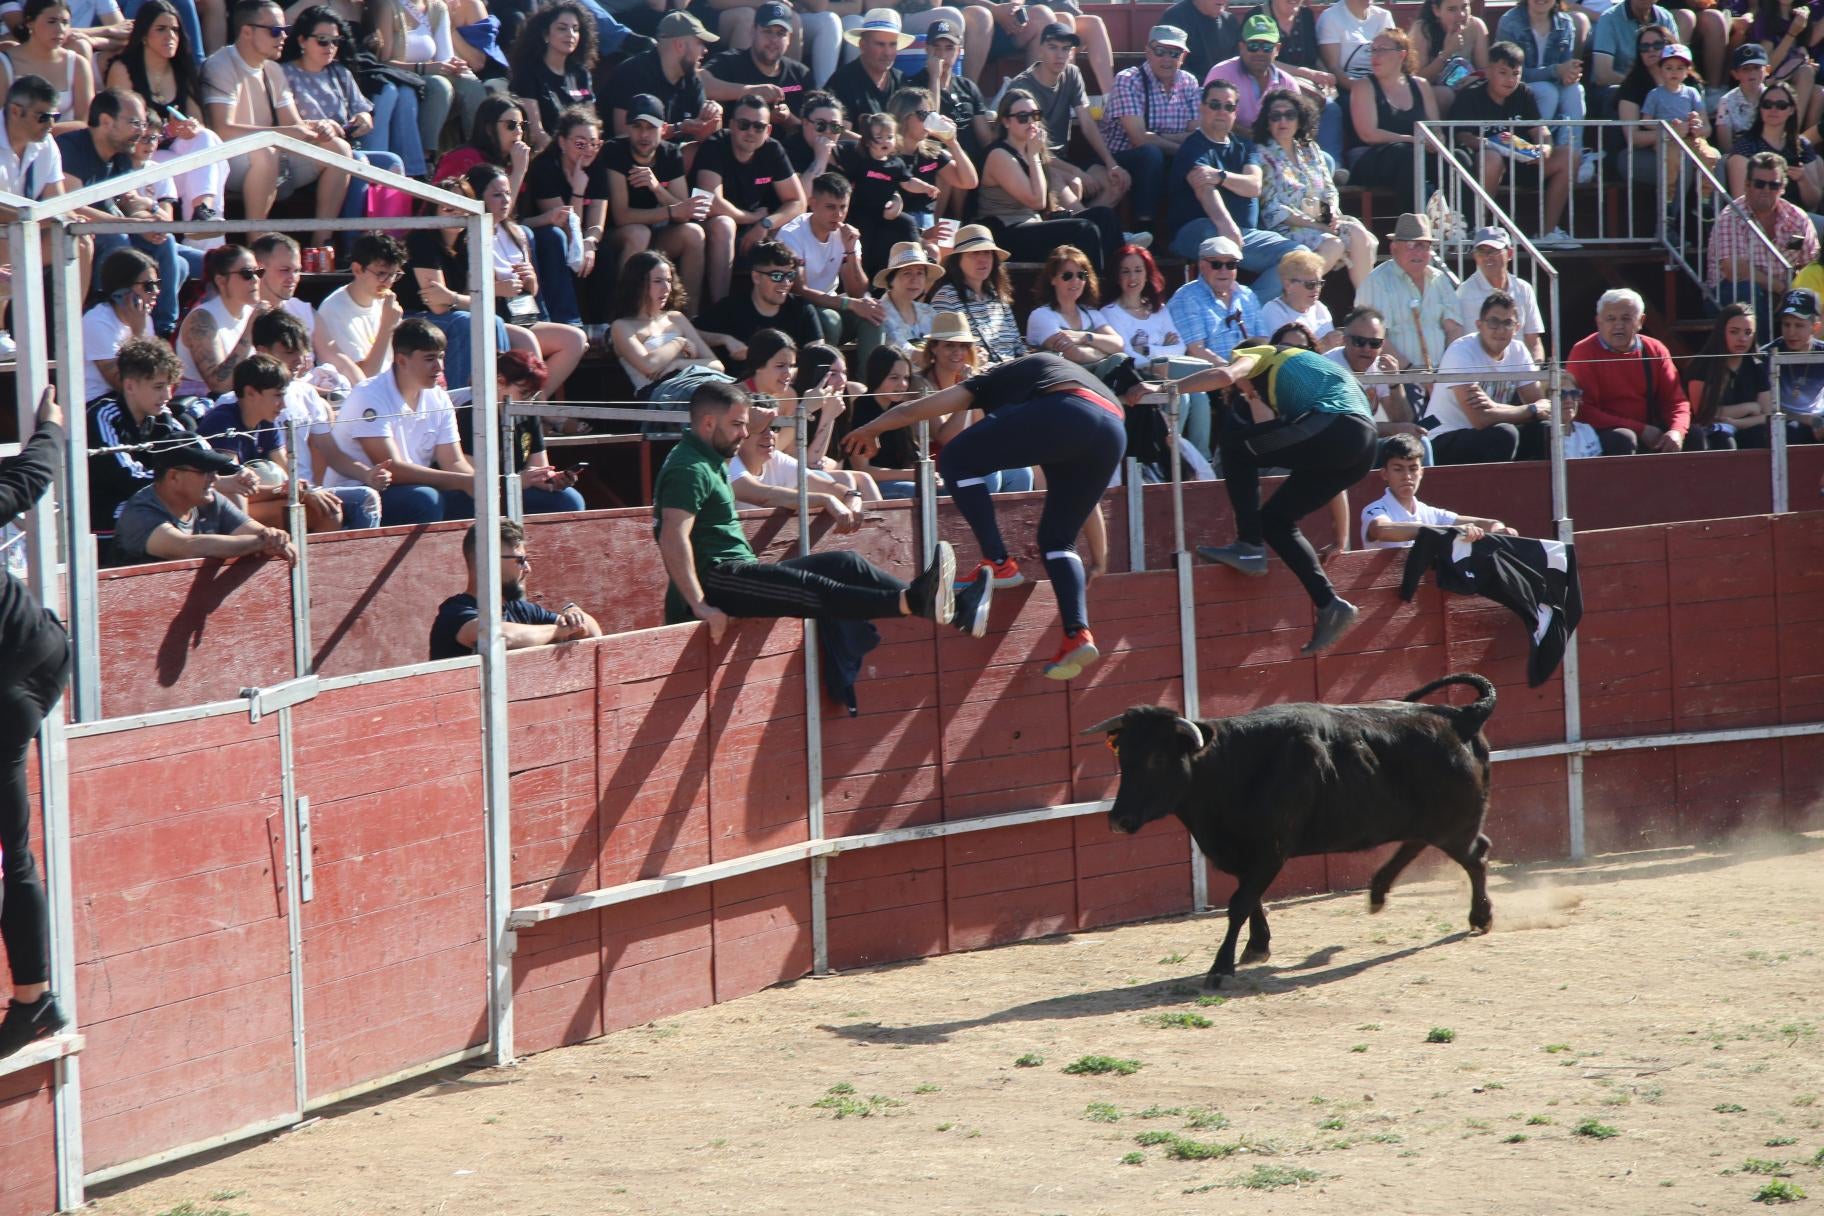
{"type": "Point", "coordinates": [1393, 520]}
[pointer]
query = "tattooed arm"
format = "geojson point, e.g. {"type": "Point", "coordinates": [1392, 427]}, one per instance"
{"type": "Point", "coordinates": [201, 336]}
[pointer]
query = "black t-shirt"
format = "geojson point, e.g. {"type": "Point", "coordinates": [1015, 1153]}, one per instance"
{"type": "Point", "coordinates": [425, 250]}
{"type": "Point", "coordinates": [1475, 105]}
{"type": "Point", "coordinates": [736, 316]}
{"type": "Point", "coordinates": [545, 178]}
{"type": "Point", "coordinates": [960, 103]}
{"type": "Point", "coordinates": [459, 610]}
{"type": "Point", "coordinates": [1212, 39]}
{"type": "Point", "coordinates": [683, 101]}
{"type": "Point", "coordinates": [528, 434]}
{"type": "Point", "coordinates": [83, 162]}
{"type": "Point", "coordinates": [29, 635]}
{"type": "Point", "coordinates": [738, 67]}
{"type": "Point", "coordinates": [857, 93]}
{"type": "Point", "coordinates": [925, 163]}
{"type": "Point", "coordinates": [897, 449]}
{"type": "Point", "coordinates": [553, 93]}
{"type": "Point", "coordinates": [874, 181]}
{"type": "Point", "coordinates": [1020, 380]}
{"type": "Point", "coordinates": [798, 151]}
{"type": "Point", "coordinates": [751, 186]}
{"type": "Point", "coordinates": [617, 157]}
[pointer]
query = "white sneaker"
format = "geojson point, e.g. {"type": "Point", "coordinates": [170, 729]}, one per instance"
{"type": "Point", "coordinates": [1139, 240]}
{"type": "Point", "coordinates": [1586, 168]}
{"type": "Point", "coordinates": [9, 350]}
{"type": "Point", "coordinates": [1558, 238]}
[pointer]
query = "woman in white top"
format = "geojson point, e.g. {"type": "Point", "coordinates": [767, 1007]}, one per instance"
{"type": "Point", "coordinates": [1063, 323]}
{"type": "Point", "coordinates": [1134, 307]}
{"type": "Point", "coordinates": [650, 335]}
{"type": "Point", "coordinates": [516, 282]}
{"type": "Point", "coordinates": [414, 37]}
{"type": "Point", "coordinates": [159, 66]}
{"type": "Point", "coordinates": [1301, 278]}
{"type": "Point", "coordinates": [214, 337]}
{"type": "Point", "coordinates": [129, 288]}
{"type": "Point", "coordinates": [44, 50]}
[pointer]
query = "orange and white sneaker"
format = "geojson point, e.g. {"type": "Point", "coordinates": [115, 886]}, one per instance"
{"type": "Point", "coordinates": [1073, 656]}
{"type": "Point", "coordinates": [1006, 572]}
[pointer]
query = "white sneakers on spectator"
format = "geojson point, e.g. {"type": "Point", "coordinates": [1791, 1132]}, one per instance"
{"type": "Point", "coordinates": [9, 350]}
{"type": "Point", "coordinates": [1557, 238]}
{"type": "Point", "coordinates": [1586, 168]}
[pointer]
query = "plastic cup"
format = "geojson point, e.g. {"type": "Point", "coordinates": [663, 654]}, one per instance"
{"type": "Point", "coordinates": [937, 124]}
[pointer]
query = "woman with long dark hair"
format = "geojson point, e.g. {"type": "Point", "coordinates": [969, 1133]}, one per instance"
{"type": "Point", "coordinates": [1449, 43]}
{"type": "Point", "coordinates": [324, 87]}
{"type": "Point", "coordinates": [498, 139]}
{"type": "Point", "coordinates": [1387, 112]}
{"type": "Point", "coordinates": [887, 379]}
{"type": "Point", "coordinates": [650, 334]}
{"type": "Point", "coordinates": [1639, 155]}
{"type": "Point", "coordinates": [45, 51]}
{"type": "Point", "coordinates": [1065, 320]}
{"type": "Point", "coordinates": [976, 287]}
{"type": "Point", "coordinates": [517, 287]}
{"type": "Point", "coordinates": [563, 183]}
{"type": "Point", "coordinates": [1731, 398]}
{"type": "Point", "coordinates": [553, 65]}
{"type": "Point", "coordinates": [1776, 129]}
{"type": "Point", "coordinates": [37, 665]}
{"type": "Point", "coordinates": [158, 65]}
{"type": "Point", "coordinates": [1016, 197]}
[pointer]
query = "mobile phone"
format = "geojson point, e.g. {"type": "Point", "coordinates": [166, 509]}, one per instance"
{"type": "Point", "coordinates": [579, 466]}
{"type": "Point", "coordinates": [1020, 16]}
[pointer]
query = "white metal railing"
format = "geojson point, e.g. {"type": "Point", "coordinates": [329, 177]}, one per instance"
{"type": "Point", "coordinates": [1693, 207]}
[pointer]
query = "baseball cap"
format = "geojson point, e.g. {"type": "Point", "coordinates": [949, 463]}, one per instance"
{"type": "Point", "coordinates": [1057, 31]}
{"type": "Point", "coordinates": [1218, 247]}
{"type": "Point", "coordinates": [190, 452]}
{"type": "Point", "coordinates": [772, 13]}
{"type": "Point", "coordinates": [644, 107]}
{"type": "Point", "coordinates": [942, 29]}
{"type": "Point", "coordinates": [1748, 54]}
{"type": "Point", "coordinates": [1676, 50]}
{"type": "Point", "coordinates": [1492, 236]}
{"type": "Point", "coordinates": [1169, 35]}
{"type": "Point", "coordinates": [681, 24]}
{"type": "Point", "coordinates": [1260, 28]}
{"type": "Point", "coordinates": [1800, 302]}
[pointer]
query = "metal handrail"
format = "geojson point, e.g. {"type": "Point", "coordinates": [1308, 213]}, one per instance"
{"type": "Point", "coordinates": [1720, 196]}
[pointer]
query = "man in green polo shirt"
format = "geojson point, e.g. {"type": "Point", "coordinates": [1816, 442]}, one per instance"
{"type": "Point", "coordinates": [714, 571]}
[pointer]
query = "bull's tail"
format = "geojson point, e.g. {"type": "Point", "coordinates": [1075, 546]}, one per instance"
{"type": "Point", "coordinates": [1469, 718]}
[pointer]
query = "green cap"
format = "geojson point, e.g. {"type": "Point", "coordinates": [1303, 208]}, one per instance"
{"type": "Point", "coordinates": [1259, 28]}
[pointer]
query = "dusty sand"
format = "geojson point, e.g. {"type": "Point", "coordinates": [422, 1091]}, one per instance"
{"type": "Point", "coordinates": [1672, 996]}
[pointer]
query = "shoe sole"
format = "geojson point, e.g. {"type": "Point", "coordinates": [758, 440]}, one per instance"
{"type": "Point", "coordinates": [978, 623]}
{"type": "Point", "coordinates": [1233, 563]}
{"type": "Point", "coordinates": [943, 607]}
{"type": "Point", "coordinates": [1071, 665]}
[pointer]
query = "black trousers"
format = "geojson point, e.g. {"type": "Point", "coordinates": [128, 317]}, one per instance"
{"type": "Point", "coordinates": [1500, 442]}
{"type": "Point", "coordinates": [25, 697]}
{"type": "Point", "coordinates": [1094, 230]}
{"type": "Point", "coordinates": [839, 586]}
{"type": "Point", "coordinates": [1319, 468]}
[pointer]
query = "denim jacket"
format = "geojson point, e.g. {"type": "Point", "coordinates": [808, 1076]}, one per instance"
{"type": "Point", "coordinates": [1515, 27]}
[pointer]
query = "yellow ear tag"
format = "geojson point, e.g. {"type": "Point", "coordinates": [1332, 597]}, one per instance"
{"type": "Point", "coordinates": [1114, 744]}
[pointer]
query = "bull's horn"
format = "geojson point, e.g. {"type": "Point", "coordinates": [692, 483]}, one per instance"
{"type": "Point", "coordinates": [1104, 727]}
{"type": "Point", "coordinates": [1195, 731]}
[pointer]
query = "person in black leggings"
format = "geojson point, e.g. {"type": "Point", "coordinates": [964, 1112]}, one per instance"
{"type": "Point", "coordinates": [1041, 410]}
{"type": "Point", "coordinates": [1296, 410]}
{"type": "Point", "coordinates": [32, 675]}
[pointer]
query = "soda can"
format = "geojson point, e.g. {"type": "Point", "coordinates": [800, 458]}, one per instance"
{"type": "Point", "coordinates": [326, 259]}
{"type": "Point", "coordinates": [307, 259]}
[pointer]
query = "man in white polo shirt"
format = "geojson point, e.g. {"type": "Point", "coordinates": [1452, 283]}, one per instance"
{"type": "Point", "coordinates": [1497, 410]}
{"type": "Point", "coordinates": [402, 422]}
{"type": "Point", "coordinates": [1494, 253]}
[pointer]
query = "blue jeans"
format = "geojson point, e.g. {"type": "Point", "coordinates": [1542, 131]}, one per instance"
{"type": "Point", "coordinates": [173, 269]}
{"type": "Point", "coordinates": [423, 505]}
{"type": "Point", "coordinates": [359, 507]}
{"type": "Point", "coordinates": [556, 281]}
{"type": "Point", "coordinates": [1561, 101]}
{"type": "Point", "coordinates": [609, 32]}
{"type": "Point", "coordinates": [1330, 130]}
{"type": "Point", "coordinates": [186, 18]}
{"type": "Point", "coordinates": [459, 355]}
{"type": "Point", "coordinates": [1146, 165]}
{"type": "Point", "coordinates": [396, 128]}
{"type": "Point", "coordinates": [1260, 252]}
{"type": "Point", "coordinates": [550, 502]}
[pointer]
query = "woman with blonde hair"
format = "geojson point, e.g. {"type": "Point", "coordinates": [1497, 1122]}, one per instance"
{"type": "Point", "coordinates": [414, 36]}
{"type": "Point", "coordinates": [1301, 277]}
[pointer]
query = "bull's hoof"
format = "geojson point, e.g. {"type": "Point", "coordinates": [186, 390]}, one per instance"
{"type": "Point", "coordinates": [1255, 954]}
{"type": "Point", "coordinates": [1482, 919]}
{"type": "Point", "coordinates": [1376, 903]}
{"type": "Point", "coordinates": [1213, 980]}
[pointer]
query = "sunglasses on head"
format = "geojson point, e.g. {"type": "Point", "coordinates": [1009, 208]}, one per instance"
{"type": "Point", "coordinates": [749, 124]}
{"type": "Point", "coordinates": [1071, 276]}
{"type": "Point", "coordinates": [1024, 115]}
{"type": "Point", "coordinates": [1258, 46]}
{"type": "Point", "coordinates": [1366, 343]}
{"type": "Point", "coordinates": [1221, 264]}
{"type": "Point", "coordinates": [779, 276]}
{"type": "Point", "coordinates": [1226, 107]}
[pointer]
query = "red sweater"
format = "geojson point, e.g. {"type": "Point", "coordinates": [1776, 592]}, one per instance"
{"type": "Point", "coordinates": [1614, 386]}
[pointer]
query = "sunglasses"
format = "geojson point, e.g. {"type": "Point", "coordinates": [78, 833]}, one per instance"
{"type": "Point", "coordinates": [1258, 46]}
{"type": "Point", "coordinates": [1167, 52]}
{"type": "Point", "coordinates": [779, 276]}
{"type": "Point", "coordinates": [921, 115]}
{"type": "Point", "coordinates": [824, 126]}
{"type": "Point", "coordinates": [245, 272]}
{"type": "Point", "coordinates": [1071, 276]}
{"type": "Point", "coordinates": [748, 124]}
{"type": "Point", "coordinates": [320, 40]}
{"type": "Point", "coordinates": [1226, 107]}
{"type": "Point", "coordinates": [1024, 116]}
{"type": "Point", "coordinates": [513, 124]}
{"type": "Point", "coordinates": [277, 31]}
{"type": "Point", "coordinates": [151, 285]}
{"type": "Point", "coordinates": [1282, 116]}
{"type": "Point", "coordinates": [518, 559]}
{"type": "Point", "coordinates": [1760, 185]}
{"type": "Point", "coordinates": [1221, 264]}
{"type": "Point", "coordinates": [1771, 104]}
{"type": "Point", "coordinates": [1313, 284]}
{"type": "Point", "coordinates": [1366, 343]}
{"type": "Point", "coordinates": [46, 118]}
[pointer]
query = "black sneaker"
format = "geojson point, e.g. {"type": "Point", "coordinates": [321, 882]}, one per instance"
{"type": "Point", "coordinates": [933, 593]}
{"type": "Point", "coordinates": [202, 213]}
{"type": "Point", "coordinates": [972, 603]}
{"type": "Point", "coordinates": [28, 1022]}
{"type": "Point", "coordinates": [1333, 621]}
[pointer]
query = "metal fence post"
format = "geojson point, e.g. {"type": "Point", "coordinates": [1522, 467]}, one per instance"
{"type": "Point", "coordinates": [1187, 626]}
{"type": "Point", "coordinates": [813, 716]}
{"type": "Point", "coordinates": [1781, 490]}
{"type": "Point", "coordinates": [66, 324]}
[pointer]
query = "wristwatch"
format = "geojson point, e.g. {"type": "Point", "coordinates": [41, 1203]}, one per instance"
{"type": "Point", "coordinates": [766, 223]}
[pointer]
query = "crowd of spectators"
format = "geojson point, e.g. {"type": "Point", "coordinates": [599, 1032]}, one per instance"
{"type": "Point", "coordinates": [704, 191]}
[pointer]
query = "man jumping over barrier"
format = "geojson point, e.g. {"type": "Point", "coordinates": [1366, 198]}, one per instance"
{"type": "Point", "coordinates": [713, 570]}
{"type": "Point", "coordinates": [1041, 410]}
{"type": "Point", "coordinates": [1299, 411]}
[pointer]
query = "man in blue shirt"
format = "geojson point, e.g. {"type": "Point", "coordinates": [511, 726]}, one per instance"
{"type": "Point", "coordinates": [1215, 314]}
{"type": "Point", "coordinates": [1222, 192]}
{"type": "Point", "coordinates": [522, 622]}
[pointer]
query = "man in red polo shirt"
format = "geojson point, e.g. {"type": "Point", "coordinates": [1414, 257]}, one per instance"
{"type": "Point", "coordinates": [1631, 391]}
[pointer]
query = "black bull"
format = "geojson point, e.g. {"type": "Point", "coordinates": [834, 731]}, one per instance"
{"type": "Point", "coordinates": [1295, 780]}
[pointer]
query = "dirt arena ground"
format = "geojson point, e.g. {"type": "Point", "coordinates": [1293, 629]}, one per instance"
{"type": "Point", "coordinates": [1638, 1035]}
